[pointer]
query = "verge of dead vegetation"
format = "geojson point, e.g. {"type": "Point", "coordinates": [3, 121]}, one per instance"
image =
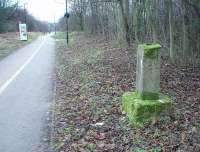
{"type": "Point", "coordinates": [9, 42]}
{"type": "Point", "coordinates": [92, 75]}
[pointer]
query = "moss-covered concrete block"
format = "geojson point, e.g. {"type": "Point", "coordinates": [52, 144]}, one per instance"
{"type": "Point", "coordinates": [148, 70]}
{"type": "Point", "coordinates": [140, 111]}
{"type": "Point", "coordinates": [146, 103]}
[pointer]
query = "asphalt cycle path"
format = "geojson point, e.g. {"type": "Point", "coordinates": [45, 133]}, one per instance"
{"type": "Point", "coordinates": [26, 89]}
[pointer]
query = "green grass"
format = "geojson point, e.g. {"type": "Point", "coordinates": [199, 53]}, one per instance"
{"type": "Point", "coordinates": [60, 35]}
{"type": "Point", "coordinates": [91, 146]}
{"type": "Point", "coordinates": [58, 146]}
{"type": "Point", "coordinates": [63, 35]}
{"type": "Point", "coordinates": [76, 59]}
{"type": "Point", "coordinates": [155, 149]}
{"type": "Point", "coordinates": [62, 38]}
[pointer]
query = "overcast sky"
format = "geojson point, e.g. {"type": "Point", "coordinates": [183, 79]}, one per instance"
{"type": "Point", "coordinates": [45, 10]}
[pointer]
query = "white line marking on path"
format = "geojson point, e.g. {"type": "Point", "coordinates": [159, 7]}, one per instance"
{"type": "Point", "coordinates": [9, 81]}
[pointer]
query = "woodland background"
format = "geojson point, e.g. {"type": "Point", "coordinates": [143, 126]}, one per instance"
{"type": "Point", "coordinates": [11, 13]}
{"type": "Point", "coordinates": [173, 23]}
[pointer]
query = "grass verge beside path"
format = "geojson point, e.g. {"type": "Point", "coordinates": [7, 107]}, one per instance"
{"type": "Point", "coordinates": [9, 42]}
{"type": "Point", "coordinates": [92, 75]}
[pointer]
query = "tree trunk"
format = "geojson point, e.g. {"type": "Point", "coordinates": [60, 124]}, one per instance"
{"type": "Point", "coordinates": [125, 19]}
{"type": "Point", "coordinates": [171, 28]}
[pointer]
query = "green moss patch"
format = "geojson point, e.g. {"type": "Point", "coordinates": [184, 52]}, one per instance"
{"type": "Point", "coordinates": [149, 96]}
{"type": "Point", "coordinates": [140, 111]}
{"type": "Point", "coordinates": [150, 46]}
{"type": "Point", "coordinates": [150, 49]}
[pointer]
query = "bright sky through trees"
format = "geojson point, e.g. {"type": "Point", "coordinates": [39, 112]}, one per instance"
{"type": "Point", "coordinates": [45, 10]}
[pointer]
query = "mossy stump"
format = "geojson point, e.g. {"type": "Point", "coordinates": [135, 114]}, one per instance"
{"type": "Point", "coordinates": [146, 102]}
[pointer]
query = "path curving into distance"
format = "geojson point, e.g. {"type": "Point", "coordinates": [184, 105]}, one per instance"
{"type": "Point", "coordinates": [26, 89]}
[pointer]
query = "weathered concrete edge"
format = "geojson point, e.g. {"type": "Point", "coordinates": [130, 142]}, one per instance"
{"type": "Point", "coordinates": [140, 111]}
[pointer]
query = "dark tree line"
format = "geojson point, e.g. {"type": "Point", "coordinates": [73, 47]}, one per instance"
{"type": "Point", "coordinates": [173, 23]}
{"type": "Point", "coordinates": [11, 14]}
